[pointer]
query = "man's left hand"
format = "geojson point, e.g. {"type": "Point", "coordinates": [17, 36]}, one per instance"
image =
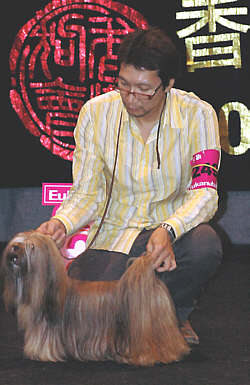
{"type": "Point", "coordinates": [159, 245]}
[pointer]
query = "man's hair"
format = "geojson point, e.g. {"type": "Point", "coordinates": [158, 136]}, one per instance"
{"type": "Point", "coordinates": [151, 49]}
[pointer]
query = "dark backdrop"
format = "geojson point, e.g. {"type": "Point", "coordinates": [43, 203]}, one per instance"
{"type": "Point", "coordinates": [25, 162]}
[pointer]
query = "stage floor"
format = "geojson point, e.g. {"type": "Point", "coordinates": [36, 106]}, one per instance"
{"type": "Point", "coordinates": [222, 358]}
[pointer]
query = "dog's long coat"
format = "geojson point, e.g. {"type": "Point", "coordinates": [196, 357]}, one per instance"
{"type": "Point", "coordinates": [129, 321]}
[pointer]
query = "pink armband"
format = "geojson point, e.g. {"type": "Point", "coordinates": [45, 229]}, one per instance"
{"type": "Point", "coordinates": [205, 169]}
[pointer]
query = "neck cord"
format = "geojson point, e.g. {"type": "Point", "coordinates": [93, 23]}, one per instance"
{"type": "Point", "coordinates": [110, 188]}
{"type": "Point", "coordinates": [114, 168]}
{"type": "Point", "coordinates": [158, 134]}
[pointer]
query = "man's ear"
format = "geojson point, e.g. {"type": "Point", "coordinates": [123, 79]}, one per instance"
{"type": "Point", "coordinates": [170, 85]}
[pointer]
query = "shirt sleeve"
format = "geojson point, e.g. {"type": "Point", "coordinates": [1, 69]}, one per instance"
{"type": "Point", "coordinates": [86, 194]}
{"type": "Point", "coordinates": [199, 205]}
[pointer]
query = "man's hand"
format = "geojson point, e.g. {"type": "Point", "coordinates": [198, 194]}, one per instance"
{"type": "Point", "coordinates": [159, 245]}
{"type": "Point", "coordinates": [55, 229]}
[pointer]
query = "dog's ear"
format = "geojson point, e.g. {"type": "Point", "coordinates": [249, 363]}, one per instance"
{"type": "Point", "coordinates": [54, 295]}
{"type": "Point", "coordinates": [52, 277]}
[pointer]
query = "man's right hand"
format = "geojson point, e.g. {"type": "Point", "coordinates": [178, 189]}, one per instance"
{"type": "Point", "coordinates": [55, 229]}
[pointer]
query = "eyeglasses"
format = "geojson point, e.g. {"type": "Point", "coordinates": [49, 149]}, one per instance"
{"type": "Point", "coordinates": [123, 90]}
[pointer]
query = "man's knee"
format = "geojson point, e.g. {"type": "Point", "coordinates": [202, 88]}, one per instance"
{"type": "Point", "coordinates": [200, 249]}
{"type": "Point", "coordinates": [206, 247]}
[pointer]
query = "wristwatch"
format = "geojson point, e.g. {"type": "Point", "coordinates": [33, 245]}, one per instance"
{"type": "Point", "coordinates": [170, 230]}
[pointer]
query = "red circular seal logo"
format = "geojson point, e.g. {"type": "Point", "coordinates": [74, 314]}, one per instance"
{"type": "Point", "coordinates": [62, 57]}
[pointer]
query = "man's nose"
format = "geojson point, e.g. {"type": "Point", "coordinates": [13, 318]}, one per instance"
{"type": "Point", "coordinates": [131, 96]}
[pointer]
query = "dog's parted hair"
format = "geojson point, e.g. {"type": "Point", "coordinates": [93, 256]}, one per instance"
{"type": "Point", "coordinates": [130, 321]}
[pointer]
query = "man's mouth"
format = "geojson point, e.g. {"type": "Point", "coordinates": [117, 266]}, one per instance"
{"type": "Point", "coordinates": [131, 109]}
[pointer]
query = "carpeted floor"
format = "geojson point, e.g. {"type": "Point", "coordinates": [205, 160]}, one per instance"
{"type": "Point", "coordinates": [222, 358]}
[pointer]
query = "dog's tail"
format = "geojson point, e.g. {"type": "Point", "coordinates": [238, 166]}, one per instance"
{"type": "Point", "coordinates": [147, 327]}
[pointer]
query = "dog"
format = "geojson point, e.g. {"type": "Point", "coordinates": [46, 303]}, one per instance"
{"type": "Point", "coordinates": [130, 321]}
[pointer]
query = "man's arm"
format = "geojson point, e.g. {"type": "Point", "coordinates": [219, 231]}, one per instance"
{"type": "Point", "coordinates": [81, 204]}
{"type": "Point", "coordinates": [200, 201]}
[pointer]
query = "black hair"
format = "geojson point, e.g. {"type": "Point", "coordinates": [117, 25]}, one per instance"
{"type": "Point", "coordinates": [151, 49]}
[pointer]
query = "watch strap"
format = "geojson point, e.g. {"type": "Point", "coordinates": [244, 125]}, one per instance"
{"type": "Point", "coordinates": [170, 230]}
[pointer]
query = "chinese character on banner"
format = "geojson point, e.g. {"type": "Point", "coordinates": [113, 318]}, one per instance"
{"type": "Point", "coordinates": [62, 57]}
{"type": "Point", "coordinates": [215, 49]}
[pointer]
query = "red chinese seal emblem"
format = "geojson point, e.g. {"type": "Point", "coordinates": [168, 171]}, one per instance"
{"type": "Point", "coordinates": [62, 57]}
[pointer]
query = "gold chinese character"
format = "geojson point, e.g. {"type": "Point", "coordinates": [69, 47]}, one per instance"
{"type": "Point", "coordinates": [211, 16]}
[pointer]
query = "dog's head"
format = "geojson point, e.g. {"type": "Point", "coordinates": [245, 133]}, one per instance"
{"type": "Point", "coordinates": [29, 251]}
{"type": "Point", "coordinates": [16, 255]}
{"type": "Point", "coordinates": [33, 272]}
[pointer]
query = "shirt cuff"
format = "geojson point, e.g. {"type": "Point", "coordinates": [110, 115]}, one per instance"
{"type": "Point", "coordinates": [66, 222]}
{"type": "Point", "coordinates": [177, 226]}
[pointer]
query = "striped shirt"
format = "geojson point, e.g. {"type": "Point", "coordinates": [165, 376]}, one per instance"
{"type": "Point", "coordinates": [143, 196]}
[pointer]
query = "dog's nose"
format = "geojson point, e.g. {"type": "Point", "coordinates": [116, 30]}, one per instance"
{"type": "Point", "coordinates": [14, 259]}
{"type": "Point", "coordinates": [13, 255]}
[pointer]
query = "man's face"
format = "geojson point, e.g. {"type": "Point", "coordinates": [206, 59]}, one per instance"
{"type": "Point", "coordinates": [132, 81]}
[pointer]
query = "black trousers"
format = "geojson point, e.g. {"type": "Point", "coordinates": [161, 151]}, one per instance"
{"type": "Point", "coordinates": [198, 254]}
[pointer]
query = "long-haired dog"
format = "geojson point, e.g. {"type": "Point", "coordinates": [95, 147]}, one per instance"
{"type": "Point", "coordinates": [130, 321]}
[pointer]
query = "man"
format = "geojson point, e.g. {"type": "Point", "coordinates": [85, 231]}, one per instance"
{"type": "Point", "coordinates": [144, 171]}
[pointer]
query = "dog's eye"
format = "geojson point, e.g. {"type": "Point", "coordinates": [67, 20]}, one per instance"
{"type": "Point", "coordinates": [15, 247]}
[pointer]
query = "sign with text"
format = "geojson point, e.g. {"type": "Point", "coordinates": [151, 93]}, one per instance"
{"type": "Point", "coordinates": [53, 194]}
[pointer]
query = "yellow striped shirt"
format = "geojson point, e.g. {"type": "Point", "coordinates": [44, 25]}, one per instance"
{"type": "Point", "coordinates": [143, 196]}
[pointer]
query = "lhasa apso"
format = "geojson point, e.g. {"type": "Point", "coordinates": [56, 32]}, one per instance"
{"type": "Point", "coordinates": [130, 321]}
